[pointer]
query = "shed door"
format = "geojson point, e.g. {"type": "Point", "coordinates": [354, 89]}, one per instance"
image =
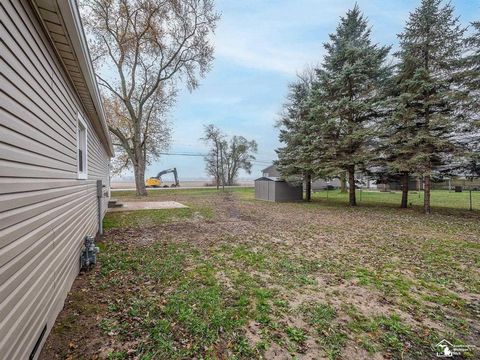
{"type": "Point", "coordinates": [272, 190]}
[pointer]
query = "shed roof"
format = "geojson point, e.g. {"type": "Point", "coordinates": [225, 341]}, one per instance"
{"type": "Point", "coordinates": [269, 178]}
{"type": "Point", "coordinates": [62, 24]}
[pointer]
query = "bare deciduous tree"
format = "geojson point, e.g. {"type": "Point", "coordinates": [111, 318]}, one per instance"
{"type": "Point", "coordinates": [141, 50]}
{"type": "Point", "coordinates": [238, 154]}
{"type": "Point", "coordinates": [156, 133]}
{"type": "Point", "coordinates": [227, 157]}
{"type": "Point", "coordinates": [213, 161]}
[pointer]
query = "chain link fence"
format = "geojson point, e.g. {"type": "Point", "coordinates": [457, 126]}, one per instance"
{"type": "Point", "coordinates": [465, 198]}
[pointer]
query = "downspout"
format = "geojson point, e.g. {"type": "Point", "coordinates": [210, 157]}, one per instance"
{"type": "Point", "coordinates": [100, 187]}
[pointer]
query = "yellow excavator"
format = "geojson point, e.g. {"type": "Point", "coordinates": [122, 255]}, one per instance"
{"type": "Point", "coordinates": [156, 181]}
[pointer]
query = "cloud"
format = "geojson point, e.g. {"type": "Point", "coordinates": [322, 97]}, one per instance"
{"type": "Point", "coordinates": [279, 36]}
{"type": "Point", "coordinates": [284, 36]}
{"type": "Point", "coordinates": [251, 50]}
{"type": "Point", "coordinates": [260, 45]}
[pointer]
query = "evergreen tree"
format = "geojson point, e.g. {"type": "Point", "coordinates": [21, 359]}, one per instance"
{"type": "Point", "coordinates": [395, 132]}
{"type": "Point", "coordinates": [470, 79]}
{"type": "Point", "coordinates": [321, 134]}
{"type": "Point", "coordinates": [471, 74]}
{"type": "Point", "coordinates": [294, 158]}
{"type": "Point", "coordinates": [351, 79]}
{"type": "Point", "coordinates": [429, 58]}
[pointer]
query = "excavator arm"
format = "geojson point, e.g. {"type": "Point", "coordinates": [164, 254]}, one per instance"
{"type": "Point", "coordinates": [175, 175]}
{"type": "Point", "coordinates": [156, 180]}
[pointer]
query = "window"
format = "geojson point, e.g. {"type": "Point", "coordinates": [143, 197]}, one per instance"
{"type": "Point", "coordinates": [82, 166]}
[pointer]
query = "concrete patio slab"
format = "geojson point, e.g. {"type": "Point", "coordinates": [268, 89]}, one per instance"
{"type": "Point", "coordinates": [147, 205]}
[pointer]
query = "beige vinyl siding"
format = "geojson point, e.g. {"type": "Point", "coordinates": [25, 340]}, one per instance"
{"type": "Point", "coordinates": [45, 212]}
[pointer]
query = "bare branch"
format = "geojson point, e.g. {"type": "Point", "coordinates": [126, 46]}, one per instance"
{"type": "Point", "coordinates": [154, 46]}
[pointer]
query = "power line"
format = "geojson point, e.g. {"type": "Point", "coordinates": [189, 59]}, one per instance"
{"type": "Point", "coordinates": [260, 162]}
{"type": "Point", "coordinates": [182, 154]}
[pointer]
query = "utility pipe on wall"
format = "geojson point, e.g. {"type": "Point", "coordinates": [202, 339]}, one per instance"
{"type": "Point", "coordinates": [99, 203]}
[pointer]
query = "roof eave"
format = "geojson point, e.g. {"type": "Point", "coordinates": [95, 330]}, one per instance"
{"type": "Point", "coordinates": [71, 16]}
{"type": "Point", "coordinates": [69, 19]}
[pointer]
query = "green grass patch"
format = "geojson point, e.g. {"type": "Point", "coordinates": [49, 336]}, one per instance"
{"type": "Point", "coordinates": [192, 317]}
{"type": "Point", "coordinates": [384, 279]}
{"type": "Point", "coordinates": [249, 257]}
{"type": "Point", "coordinates": [388, 333]}
{"type": "Point", "coordinates": [296, 334]}
{"type": "Point", "coordinates": [330, 335]}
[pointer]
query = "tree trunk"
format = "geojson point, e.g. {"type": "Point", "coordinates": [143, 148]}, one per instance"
{"type": "Point", "coordinates": [343, 183]}
{"type": "Point", "coordinates": [426, 195]}
{"type": "Point", "coordinates": [308, 187]}
{"type": "Point", "coordinates": [351, 186]}
{"type": "Point", "coordinates": [404, 204]}
{"type": "Point", "coordinates": [223, 169]}
{"type": "Point", "coordinates": [217, 170]}
{"type": "Point", "coordinates": [139, 171]}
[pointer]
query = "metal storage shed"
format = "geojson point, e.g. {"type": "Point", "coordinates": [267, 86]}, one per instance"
{"type": "Point", "coordinates": [275, 189]}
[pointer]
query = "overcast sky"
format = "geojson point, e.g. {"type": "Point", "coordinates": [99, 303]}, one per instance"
{"type": "Point", "coordinates": [260, 45]}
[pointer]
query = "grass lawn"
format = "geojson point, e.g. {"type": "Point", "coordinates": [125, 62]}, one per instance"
{"type": "Point", "coordinates": [168, 193]}
{"type": "Point", "coordinates": [235, 278]}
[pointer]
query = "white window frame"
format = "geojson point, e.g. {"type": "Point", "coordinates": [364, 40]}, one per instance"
{"type": "Point", "coordinates": [83, 145]}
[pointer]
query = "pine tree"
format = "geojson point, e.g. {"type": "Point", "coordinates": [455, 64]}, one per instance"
{"type": "Point", "coordinates": [294, 158]}
{"type": "Point", "coordinates": [351, 79]}
{"type": "Point", "coordinates": [471, 74]}
{"type": "Point", "coordinates": [399, 127]}
{"type": "Point", "coordinates": [429, 56]}
{"type": "Point", "coordinates": [470, 80]}
{"type": "Point", "coordinates": [321, 134]}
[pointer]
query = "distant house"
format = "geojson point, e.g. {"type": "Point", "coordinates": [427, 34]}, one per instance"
{"type": "Point", "coordinates": [54, 166]}
{"type": "Point", "coordinates": [394, 183]}
{"type": "Point", "coordinates": [271, 171]}
{"type": "Point", "coordinates": [317, 184]}
{"type": "Point", "coordinates": [321, 184]}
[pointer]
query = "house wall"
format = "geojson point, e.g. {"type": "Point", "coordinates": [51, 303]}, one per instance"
{"type": "Point", "coordinates": [320, 184]}
{"type": "Point", "coordinates": [271, 171]}
{"type": "Point", "coordinates": [45, 212]}
{"type": "Point", "coordinates": [413, 184]}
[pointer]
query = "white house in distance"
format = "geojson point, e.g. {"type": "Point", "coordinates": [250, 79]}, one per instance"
{"type": "Point", "coordinates": [54, 165]}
